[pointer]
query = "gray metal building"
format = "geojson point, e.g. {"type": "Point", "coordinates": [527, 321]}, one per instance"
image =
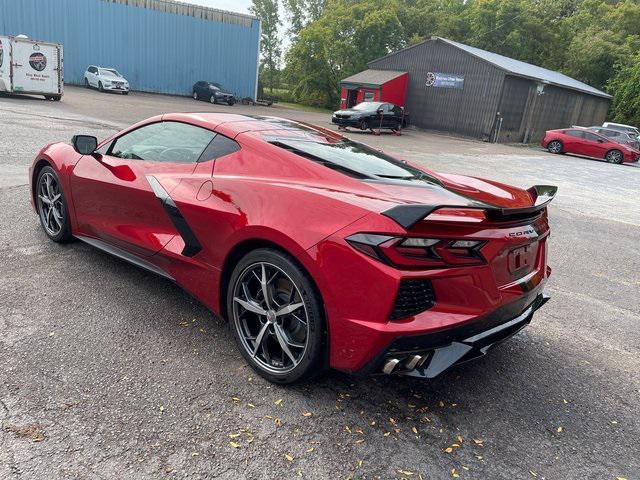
{"type": "Point", "coordinates": [457, 88]}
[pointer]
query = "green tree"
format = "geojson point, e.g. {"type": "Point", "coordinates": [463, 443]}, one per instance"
{"type": "Point", "coordinates": [301, 12]}
{"type": "Point", "coordinates": [625, 86]}
{"type": "Point", "coordinates": [267, 11]}
{"type": "Point", "coordinates": [340, 43]}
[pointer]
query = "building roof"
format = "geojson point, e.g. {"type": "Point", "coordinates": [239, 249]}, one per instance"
{"type": "Point", "coordinates": [197, 11]}
{"type": "Point", "coordinates": [373, 77]}
{"type": "Point", "coordinates": [523, 69]}
{"type": "Point", "coordinates": [516, 67]}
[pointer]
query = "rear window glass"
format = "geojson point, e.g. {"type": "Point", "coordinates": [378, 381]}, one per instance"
{"type": "Point", "coordinates": [354, 159]}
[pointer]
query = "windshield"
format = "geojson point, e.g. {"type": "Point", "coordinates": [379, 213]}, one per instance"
{"type": "Point", "coordinates": [107, 72]}
{"type": "Point", "coordinates": [354, 159]}
{"type": "Point", "coordinates": [367, 106]}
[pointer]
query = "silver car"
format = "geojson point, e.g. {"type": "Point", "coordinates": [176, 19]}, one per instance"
{"type": "Point", "coordinates": [105, 79]}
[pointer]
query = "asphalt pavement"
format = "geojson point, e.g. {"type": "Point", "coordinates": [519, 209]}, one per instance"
{"type": "Point", "coordinates": [109, 372]}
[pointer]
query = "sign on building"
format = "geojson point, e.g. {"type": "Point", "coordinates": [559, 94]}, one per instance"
{"type": "Point", "coordinates": [444, 80]}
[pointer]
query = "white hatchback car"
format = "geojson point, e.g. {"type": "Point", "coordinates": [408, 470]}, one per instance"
{"type": "Point", "coordinates": [105, 79]}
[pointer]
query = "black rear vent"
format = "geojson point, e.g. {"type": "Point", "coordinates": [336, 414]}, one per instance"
{"type": "Point", "coordinates": [414, 296]}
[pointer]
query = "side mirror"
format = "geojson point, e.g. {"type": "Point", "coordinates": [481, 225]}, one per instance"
{"type": "Point", "coordinates": [600, 140]}
{"type": "Point", "coordinates": [379, 111]}
{"type": "Point", "coordinates": [84, 144]}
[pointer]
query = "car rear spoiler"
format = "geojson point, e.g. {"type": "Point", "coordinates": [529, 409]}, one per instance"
{"type": "Point", "coordinates": [408, 215]}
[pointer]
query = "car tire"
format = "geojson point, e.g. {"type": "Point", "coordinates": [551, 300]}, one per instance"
{"type": "Point", "coordinates": [363, 125]}
{"type": "Point", "coordinates": [86, 83]}
{"type": "Point", "coordinates": [261, 336]}
{"type": "Point", "coordinates": [54, 220]}
{"type": "Point", "coordinates": [212, 99]}
{"type": "Point", "coordinates": [195, 95]}
{"type": "Point", "coordinates": [614, 156]}
{"type": "Point", "coordinates": [555, 146]}
{"type": "Point", "coordinates": [100, 87]}
{"type": "Point", "coordinates": [231, 103]}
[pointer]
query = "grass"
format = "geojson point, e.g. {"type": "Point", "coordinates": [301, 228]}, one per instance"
{"type": "Point", "coordinates": [297, 106]}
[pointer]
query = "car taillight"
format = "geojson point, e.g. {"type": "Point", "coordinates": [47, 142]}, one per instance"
{"type": "Point", "coordinates": [419, 252]}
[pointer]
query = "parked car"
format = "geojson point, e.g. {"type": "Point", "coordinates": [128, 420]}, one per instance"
{"type": "Point", "coordinates": [320, 251]}
{"type": "Point", "coordinates": [581, 141]}
{"type": "Point", "coordinates": [619, 136]}
{"type": "Point", "coordinates": [370, 115]}
{"type": "Point", "coordinates": [622, 127]}
{"type": "Point", "coordinates": [105, 80]}
{"type": "Point", "coordinates": [213, 93]}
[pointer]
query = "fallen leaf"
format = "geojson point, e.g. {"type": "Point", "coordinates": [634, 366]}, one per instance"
{"type": "Point", "coordinates": [288, 457]}
{"type": "Point", "coordinates": [454, 473]}
{"type": "Point", "coordinates": [195, 454]}
{"type": "Point", "coordinates": [559, 430]}
{"type": "Point", "coordinates": [234, 444]}
{"type": "Point", "coordinates": [161, 408]}
{"type": "Point", "coordinates": [235, 399]}
{"type": "Point", "coordinates": [234, 435]}
{"type": "Point", "coordinates": [533, 474]}
{"type": "Point", "coordinates": [405, 472]}
{"type": "Point", "coordinates": [441, 403]}
{"type": "Point", "coordinates": [414, 430]}
{"type": "Point", "coordinates": [251, 405]}
{"type": "Point", "coordinates": [359, 441]}
{"type": "Point", "coordinates": [478, 441]}
{"type": "Point", "coordinates": [278, 402]}
{"type": "Point", "coordinates": [307, 414]}
{"type": "Point", "coordinates": [448, 449]}
{"type": "Point", "coordinates": [309, 450]}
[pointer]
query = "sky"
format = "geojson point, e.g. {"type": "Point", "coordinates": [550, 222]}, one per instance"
{"type": "Point", "coordinates": [241, 6]}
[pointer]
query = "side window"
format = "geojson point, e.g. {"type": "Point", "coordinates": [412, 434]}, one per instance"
{"type": "Point", "coordinates": [387, 108]}
{"type": "Point", "coordinates": [575, 133]}
{"type": "Point", "coordinates": [219, 147]}
{"type": "Point", "coordinates": [592, 137]}
{"type": "Point", "coordinates": [163, 142]}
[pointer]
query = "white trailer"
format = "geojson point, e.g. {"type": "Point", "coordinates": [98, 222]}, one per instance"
{"type": "Point", "coordinates": [30, 67]}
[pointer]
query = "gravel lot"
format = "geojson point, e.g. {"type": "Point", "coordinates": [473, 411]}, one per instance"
{"type": "Point", "coordinates": [110, 372]}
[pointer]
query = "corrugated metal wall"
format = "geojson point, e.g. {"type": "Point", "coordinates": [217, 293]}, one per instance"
{"type": "Point", "coordinates": [560, 108]}
{"type": "Point", "coordinates": [162, 48]}
{"type": "Point", "coordinates": [487, 90]}
{"type": "Point", "coordinates": [469, 111]}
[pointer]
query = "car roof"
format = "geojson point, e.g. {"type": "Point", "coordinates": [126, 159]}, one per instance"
{"type": "Point", "coordinates": [232, 124]}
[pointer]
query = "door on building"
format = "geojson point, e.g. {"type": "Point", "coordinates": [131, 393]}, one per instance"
{"type": "Point", "coordinates": [352, 98]}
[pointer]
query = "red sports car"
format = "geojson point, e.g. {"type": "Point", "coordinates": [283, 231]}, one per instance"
{"type": "Point", "coordinates": [581, 141]}
{"type": "Point", "coordinates": [320, 251]}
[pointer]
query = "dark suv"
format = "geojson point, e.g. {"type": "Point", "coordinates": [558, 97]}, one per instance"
{"type": "Point", "coordinates": [212, 92]}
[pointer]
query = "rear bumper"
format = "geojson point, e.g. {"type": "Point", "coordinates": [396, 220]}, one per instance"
{"type": "Point", "coordinates": [427, 356]}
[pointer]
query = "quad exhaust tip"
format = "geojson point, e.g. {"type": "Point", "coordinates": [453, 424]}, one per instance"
{"type": "Point", "coordinates": [407, 364]}
{"type": "Point", "coordinates": [390, 365]}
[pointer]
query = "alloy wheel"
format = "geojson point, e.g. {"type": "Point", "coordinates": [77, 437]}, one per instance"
{"type": "Point", "coordinates": [50, 204]}
{"type": "Point", "coordinates": [271, 317]}
{"type": "Point", "coordinates": [555, 147]}
{"type": "Point", "coordinates": [614, 156]}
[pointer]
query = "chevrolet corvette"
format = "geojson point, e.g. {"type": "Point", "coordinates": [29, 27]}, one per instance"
{"type": "Point", "coordinates": [321, 252]}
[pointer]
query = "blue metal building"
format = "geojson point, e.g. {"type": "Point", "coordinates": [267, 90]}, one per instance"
{"type": "Point", "coordinates": [158, 45]}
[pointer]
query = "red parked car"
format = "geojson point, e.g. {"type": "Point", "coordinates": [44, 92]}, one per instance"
{"type": "Point", "coordinates": [581, 141]}
{"type": "Point", "coordinates": [320, 251]}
